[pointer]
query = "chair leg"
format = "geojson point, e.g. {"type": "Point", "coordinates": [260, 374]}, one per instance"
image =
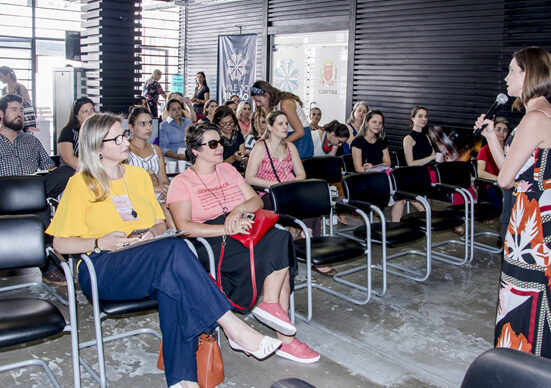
{"type": "Point", "coordinates": [23, 364]}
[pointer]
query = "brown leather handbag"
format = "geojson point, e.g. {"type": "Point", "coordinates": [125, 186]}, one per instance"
{"type": "Point", "coordinates": [210, 367]}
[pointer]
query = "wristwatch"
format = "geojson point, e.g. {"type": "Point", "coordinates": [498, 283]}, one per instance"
{"type": "Point", "coordinates": [96, 247]}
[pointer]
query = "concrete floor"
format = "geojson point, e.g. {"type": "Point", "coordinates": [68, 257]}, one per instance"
{"type": "Point", "coordinates": [417, 335]}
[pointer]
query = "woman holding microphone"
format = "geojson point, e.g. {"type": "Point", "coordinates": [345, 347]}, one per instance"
{"type": "Point", "coordinates": [524, 297]}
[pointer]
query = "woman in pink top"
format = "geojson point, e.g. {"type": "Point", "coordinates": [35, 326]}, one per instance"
{"type": "Point", "coordinates": [211, 200]}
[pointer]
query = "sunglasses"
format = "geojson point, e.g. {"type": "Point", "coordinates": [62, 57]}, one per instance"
{"type": "Point", "coordinates": [213, 144]}
{"type": "Point", "coordinates": [118, 139]}
{"type": "Point", "coordinates": [257, 91]}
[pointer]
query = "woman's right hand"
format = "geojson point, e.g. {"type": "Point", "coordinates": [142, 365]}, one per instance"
{"type": "Point", "coordinates": [115, 240]}
{"type": "Point", "coordinates": [489, 130]}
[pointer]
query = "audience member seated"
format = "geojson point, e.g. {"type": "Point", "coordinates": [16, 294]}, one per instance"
{"type": "Point", "coordinates": [187, 107]}
{"type": "Point", "coordinates": [210, 200]}
{"type": "Point", "coordinates": [486, 166]}
{"type": "Point", "coordinates": [103, 203]}
{"type": "Point", "coordinates": [172, 132]}
{"type": "Point", "coordinates": [244, 113]}
{"type": "Point", "coordinates": [258, 127]}
{"type": "Point", "coordinates": [329, 138]}
{"type": "Point", "coordinates": [315, 118]}
{"type": "Point", "coordinates": [152, 89]}
{"type": "Point", "coordinates": [210, 107]}
{"type": "Point", "coordinates": [201, 93]}
{"type": "Point", "coordinates": [232, 105]}
{"type": "Point", "coordinates": [270, 98]}
{"type": "Point", "coordinates": [354, 123]}
{"type": "Point", "coordinates": [232, 139]}
{"type": "Point", "coordinates": [417, 146]}
{"type": "Point", "coordinates": [140, 101]}
{"type": "Point", "coordinates": [274, 160]}
{"type": "Point", "coordinates": [21, 153]}
{"type": "Point", "coordinates": [235, 98]}
{"type": "Point", "coordinates": [148, 156]}
{"type": "Point", "coordinates": [67, 143]}
{"type": "Point", "coordinates": [369, 148]}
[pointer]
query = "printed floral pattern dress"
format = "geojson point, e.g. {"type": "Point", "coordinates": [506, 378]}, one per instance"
{"type": "Point", "coordinates": [523, 313]}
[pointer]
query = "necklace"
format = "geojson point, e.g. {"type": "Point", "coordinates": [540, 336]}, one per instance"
{"type": "Point", "coordinates": [224, 208]}
{"type": "Point", "coordinates": [134, 212]}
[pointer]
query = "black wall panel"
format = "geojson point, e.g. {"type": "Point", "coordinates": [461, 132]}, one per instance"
{"type": "Point", "coordinates": [307, 15]}
{"type": "Point", "coordinates": [204, 22]}
{"type": "Point", "coordinates": [450, 56]}
{"type": "Point", "coordinates": [110, 52]}
{"type": "Point", "coordinates": [444, 55]}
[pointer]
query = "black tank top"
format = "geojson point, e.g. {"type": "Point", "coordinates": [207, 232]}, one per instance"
{"type": "Point", "coordinates": [422, 147]}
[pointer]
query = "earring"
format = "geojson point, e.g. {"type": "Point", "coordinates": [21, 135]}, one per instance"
{"type": "Point", "coordinates": [100, 156]}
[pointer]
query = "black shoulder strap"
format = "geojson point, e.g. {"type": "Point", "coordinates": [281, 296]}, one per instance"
{"type": "Point", "coordinates": [271, 161]}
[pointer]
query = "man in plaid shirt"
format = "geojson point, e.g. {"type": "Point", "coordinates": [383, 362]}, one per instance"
{"type": "Point", "coordinates": [21, 153]}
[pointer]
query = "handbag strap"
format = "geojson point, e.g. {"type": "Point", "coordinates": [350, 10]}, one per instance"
{"type": "Point", "coordinates": [218, 280]}
{"type": "Point", "coordinates": [271, 161]}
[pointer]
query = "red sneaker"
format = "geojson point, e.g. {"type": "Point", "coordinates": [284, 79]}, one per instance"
{"type": "Point", "coordinates": [271, 314]}
{"type": "Point", "coordinates": [298, 351]}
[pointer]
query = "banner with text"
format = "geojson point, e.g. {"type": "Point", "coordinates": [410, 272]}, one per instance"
{"type": "Point", "coordinates": [236, 66]}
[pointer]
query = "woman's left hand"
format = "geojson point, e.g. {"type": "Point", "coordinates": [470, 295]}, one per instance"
{"type": "Point", "coordinates": [235, 223]}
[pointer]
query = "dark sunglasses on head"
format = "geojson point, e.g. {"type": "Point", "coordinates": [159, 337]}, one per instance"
{"type": "Point", "coordinates": [257, 91]}
{"type": "Point", "coordinates": [213, 144]}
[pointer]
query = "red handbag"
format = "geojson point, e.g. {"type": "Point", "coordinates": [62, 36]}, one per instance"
{"type": "Point", "coordinates": [264, 220]}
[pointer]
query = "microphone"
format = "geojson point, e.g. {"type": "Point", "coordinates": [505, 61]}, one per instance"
{"type": "Point", "coordinates": [500, 100]}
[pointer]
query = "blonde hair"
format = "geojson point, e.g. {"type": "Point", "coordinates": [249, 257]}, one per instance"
{"type": "Point", "coordinates": [270, 121]}
{"type": "Point", "coordinates": [156, 73]}
{"type": "Point", "coordinates": [92, 133]}
{"type": "Point", "coordinates": [241, 106]}
{"type": "Point", "coordinates": [351, 118]}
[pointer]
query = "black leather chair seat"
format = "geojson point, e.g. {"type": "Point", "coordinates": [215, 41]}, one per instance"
{"type": "Point", "coordinates": [396, 233]}
{"type": "Point", "coordinates": [23, 320]}
{"type": "Point", "coordinates": [482, 211]}
{"type": "Point", "coordinates": [508, 368]}
{"type": "Point", "coordinates": [328, 250]}
{"type": "Point", "coordinates": [119, 307]}
{"type": "Point", "coordinates": [441, 219]}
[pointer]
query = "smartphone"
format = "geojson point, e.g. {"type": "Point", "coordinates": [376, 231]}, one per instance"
{"type": "Point", "coordinates": [250, 216]}
{"type": "Point", "coordinates": [138, 232]}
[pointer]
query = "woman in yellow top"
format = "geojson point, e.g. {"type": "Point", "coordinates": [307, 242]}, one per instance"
{"type": "Point", "coordinates": [102, 205]}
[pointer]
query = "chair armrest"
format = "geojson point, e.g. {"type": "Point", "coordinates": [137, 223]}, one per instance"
{"type": "Point", "coordinates": [363, 205]}
{"type": "Point", "coordinates": [287, 220]}
{"type": "Point", "coordinates": [352, 206]}
{"type": "Point", "coordinates": [398, 195]}
{"type": "Point", "coordinates": [258, 188]}
{"type": "Point", "coordinates": [56, 256]}
{"type": "Point", "coordinates": [482, 181]}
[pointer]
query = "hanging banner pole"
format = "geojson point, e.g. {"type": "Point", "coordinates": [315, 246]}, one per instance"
{"type": "Point", "coordinates": [236, 66]}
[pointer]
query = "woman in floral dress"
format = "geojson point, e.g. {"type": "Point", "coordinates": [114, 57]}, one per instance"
{"type": "Point", "coordinates": [524, 310]}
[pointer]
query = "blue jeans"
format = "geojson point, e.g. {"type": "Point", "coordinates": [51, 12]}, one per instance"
{"type": "Point", "coordinates": [165, 270]}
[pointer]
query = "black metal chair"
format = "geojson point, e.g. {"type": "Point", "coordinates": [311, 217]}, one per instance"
{"type": "Point", "coordinates": [328, 168]}
{"type": "Point", "coordinates": [113, 309]}
{"type": "Point", "coordinates": [463, 174]}
{"type": "Point", "coordinates": [508, 368]}
{"type": "Point", "coordinates": [297, 200]}
{"type": "Point", "coordinates": [23, 320]}
{"type": "Point", "coordinates": [371, 192]}
{"type": "Point", "coordinates": [26, 194]}
{"type": "Point", "coordinates": [348, 164]}
{"type": "Point", "coordinates": [416, 179]}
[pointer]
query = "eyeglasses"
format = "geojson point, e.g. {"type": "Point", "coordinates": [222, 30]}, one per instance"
{"type": "Point", "coordinates": [257, 91]}
{"type": "Point", "coordinates": [118, 139]}
{"type": "Point", "coordinates": [213, 144]}
{"type": "Point", "coordinates": [500, 129]}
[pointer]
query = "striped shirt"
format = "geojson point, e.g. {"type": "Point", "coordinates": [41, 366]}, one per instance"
{"type": "Point", "coordinates": [24, 156]}
{"type": "Point", "coordinates": [149, 163]}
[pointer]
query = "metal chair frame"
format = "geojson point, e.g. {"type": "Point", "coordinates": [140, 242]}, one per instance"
{"type": "Point", "coordinates": [309, 285]}
{"type": "Point", "coordinates": [70, 327]}
{"type": "Point", "coordinates": [99, 341]}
